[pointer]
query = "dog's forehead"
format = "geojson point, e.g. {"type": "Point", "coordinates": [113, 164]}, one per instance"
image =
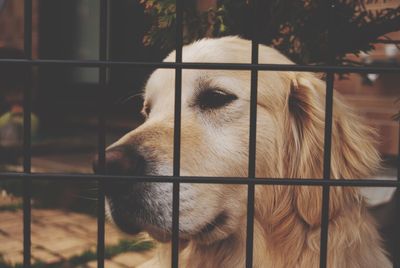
{"type": "Point", "coordinates": [161, 83]}
{"type": "Point", "coordinates": [222, 50]}
{"type": "Point", "coordinates": [230, 49]}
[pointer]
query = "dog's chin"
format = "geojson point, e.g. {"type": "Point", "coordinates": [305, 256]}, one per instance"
{"type": "Point", "coordinates": [134, 228]}
{"type": "Point", "coordinates": [217, 229]}
{"type": "Point", "coordinates": [158, 234]}
{"type": "Point", "coordinates": [130, 227]}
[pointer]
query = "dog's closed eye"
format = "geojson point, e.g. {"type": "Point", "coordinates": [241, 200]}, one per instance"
{"type": "Point", "coordinates": [145, 110]}
{"type": "Point", "coordinates": [214, 99]}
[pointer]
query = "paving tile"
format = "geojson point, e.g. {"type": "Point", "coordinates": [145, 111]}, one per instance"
{"type": "Point", "coordinates": [132, 259]}
{"type": "Point", "coordinates": [9, 245]}
{"type": "Point", "coordinates": [48, 230]}
{"type": "Point", "coordinates": [78, 230]}
{"type": "Point", "coordinates": [8, 216]}
{"type": "Point", "coordinates": [107, 264]}
{"type": "Point", "coordinates": [11, 222]}
{"type": "Point", "coordinates": [14, 231]}
{"type": "Point", "coordinates": [48, 214]}
{"type": "Point", "coordinates": [58, 235]}
{"type": "Point", "coordinates": [45, 256]}
{"type": "Point", "coordinates": [13, 257]}
{"type": "Point", "coordinates": [71, 252]}
{"type": "Point", "coordinates": [66, 243]}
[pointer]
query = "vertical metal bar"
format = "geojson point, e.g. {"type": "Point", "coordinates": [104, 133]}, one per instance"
{"type": "Point", "coordinates": [327, 170]}
{"type": "Point", "coordinates": [177, 134]}
{"type": "Point", "coordinates": [103, 80]}
{"type": "Point", "coordinates": [396, 257]}
{"type": "Point", "coordinates": [327, 140]}
{"type": "Point", "coordinates": [27, 183]}
{"type": "Point", "coordinates": [252, 141]}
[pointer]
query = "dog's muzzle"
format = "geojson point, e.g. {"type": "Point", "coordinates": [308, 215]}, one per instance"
{"type": "Point", "coordinates": [125, 199]}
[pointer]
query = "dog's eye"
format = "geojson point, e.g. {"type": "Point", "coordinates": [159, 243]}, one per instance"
{"type": "Point", "coordinates": [213, 99]}
{"type": "Point", "coordinates": [145, 110]}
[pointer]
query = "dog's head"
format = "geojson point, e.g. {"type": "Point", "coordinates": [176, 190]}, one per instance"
{"type": "Point", "coordinates": [214, 142]}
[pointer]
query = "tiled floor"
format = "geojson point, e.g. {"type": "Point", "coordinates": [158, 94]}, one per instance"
{"type": "Point", "coordinates": [58, 235]}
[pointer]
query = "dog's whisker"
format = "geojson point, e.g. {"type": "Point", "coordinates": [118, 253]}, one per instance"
{"type": "Point", "coordinates": [87, 198]}
{"type": "Point", "coordinates": [129, 97]}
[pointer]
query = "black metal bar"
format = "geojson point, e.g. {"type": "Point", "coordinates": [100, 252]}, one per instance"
{"type": "Point", "coordinates": [326, 170]}
{"type": "Point", "coordinates": [198, 179]}
{"type": "Point", "coordinates": [208, 66]}
{"type": "Point", "coordinates": [27, 182]}
{"type": "Point", "coordinates": [252, 142]}
{"type": "Point", "coordinates": [176, 171]}
{"type": "Point", "coordinates": [327, 139]}
{"type": "Point", "coordinates": [177, 134]}
{"type": "Point", "coordinates": [103, 80]}
{"type": "Point", "coordinates": [396, 258]}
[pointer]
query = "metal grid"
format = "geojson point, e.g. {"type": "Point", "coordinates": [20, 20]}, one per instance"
{"type": "Point", "coordinates": [103, 64]}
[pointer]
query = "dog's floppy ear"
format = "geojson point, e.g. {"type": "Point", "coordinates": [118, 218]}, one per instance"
{"type": "Point", "coordinates": [353, 152]}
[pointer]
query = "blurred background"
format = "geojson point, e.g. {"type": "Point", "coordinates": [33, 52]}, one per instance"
{"type": "Point", "coordinates": [65, 98]}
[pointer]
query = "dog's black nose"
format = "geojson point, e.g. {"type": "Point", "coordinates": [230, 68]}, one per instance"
{"type": "Point", "coordinates": [121, 160]}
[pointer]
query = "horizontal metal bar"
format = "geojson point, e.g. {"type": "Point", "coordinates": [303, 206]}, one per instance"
{"type": "Point", "coordinates": [211, 66]}
{"type": "Point", "coordinates": [196, 179]}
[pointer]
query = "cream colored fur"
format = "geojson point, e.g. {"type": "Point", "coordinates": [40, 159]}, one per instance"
{"type": "Point", "coordinates": [290, 134]}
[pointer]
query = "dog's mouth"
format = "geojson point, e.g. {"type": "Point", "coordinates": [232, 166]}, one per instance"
{"type": "Point", "coordinates": [204, 234]}
{"type": "Point", "coordinates": [214, 230]}
{"type": "Point", "coordinates": [163, 235]}
{"type": "Point", "coordinates": [218, 222]}
{"type": "Point", "coordinates": [134, 225]}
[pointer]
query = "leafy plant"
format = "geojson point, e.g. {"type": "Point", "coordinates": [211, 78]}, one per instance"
{"type": "Point", "coordinates": [299, 29]}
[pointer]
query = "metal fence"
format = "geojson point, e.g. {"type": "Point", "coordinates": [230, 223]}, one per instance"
{"type": "Point", "coordinates": [104, 64]}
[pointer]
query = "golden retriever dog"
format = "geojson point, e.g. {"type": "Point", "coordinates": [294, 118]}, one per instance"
{"type": "Point", "coordinates": [214, 142]}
